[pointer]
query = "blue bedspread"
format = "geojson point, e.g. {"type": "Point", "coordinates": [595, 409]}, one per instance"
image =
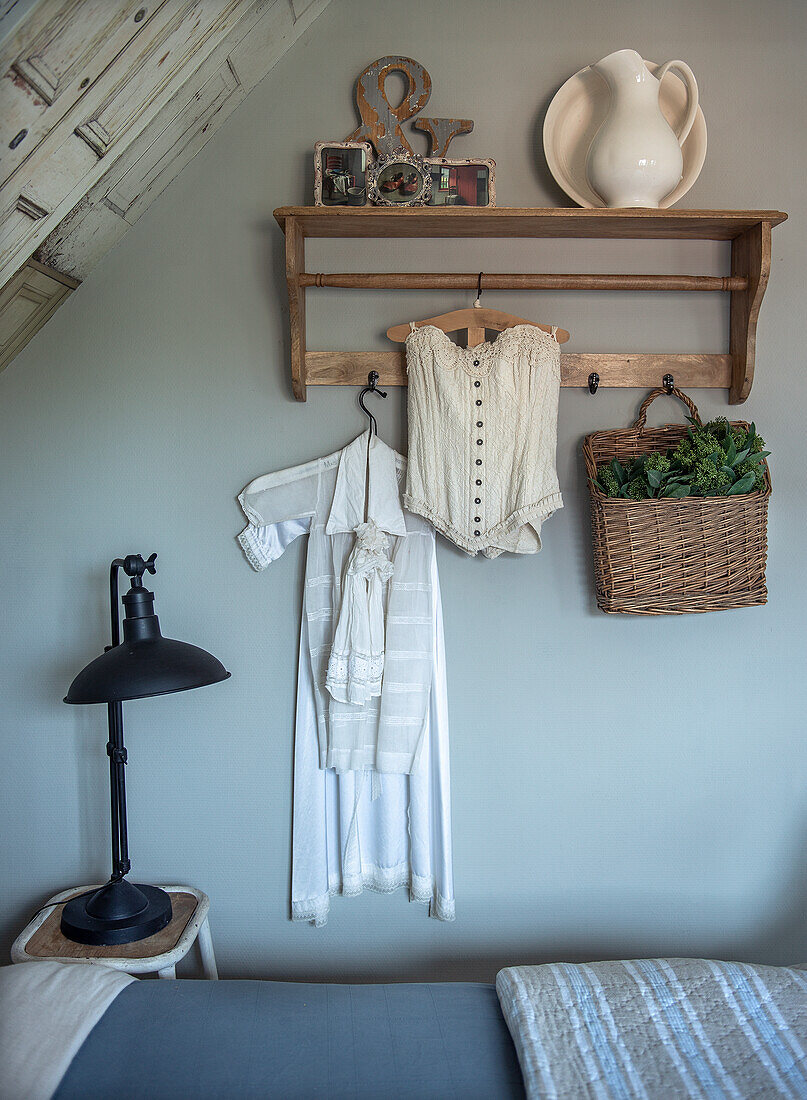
{"type": "Point", "coordinates": [249, 1039]}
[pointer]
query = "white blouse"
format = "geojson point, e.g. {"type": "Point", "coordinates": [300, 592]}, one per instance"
{"type": "Point", "coordinates": [385, 733]}
{"type": "Point", "coordinates": [359, 829]}
{"type": "Point", "coordinates": [483, 436]}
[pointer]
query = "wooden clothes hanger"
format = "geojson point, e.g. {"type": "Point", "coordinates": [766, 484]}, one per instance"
{"type": "Point", "coordinates": [474, 321]}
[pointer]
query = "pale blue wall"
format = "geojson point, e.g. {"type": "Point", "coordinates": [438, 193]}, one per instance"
{"type": "Point", "coordinates": [622, 786]}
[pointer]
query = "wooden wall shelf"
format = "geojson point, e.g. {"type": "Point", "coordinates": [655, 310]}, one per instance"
{"type": "Point", "coordinates": [748, 230]}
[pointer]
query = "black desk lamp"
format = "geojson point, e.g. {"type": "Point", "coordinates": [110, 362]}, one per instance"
{"type": "Point", "coordinates": [144, 664]}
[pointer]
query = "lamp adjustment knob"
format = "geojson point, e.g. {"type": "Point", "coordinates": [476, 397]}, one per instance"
{"type": "Point", "coordinates": [135, 565]}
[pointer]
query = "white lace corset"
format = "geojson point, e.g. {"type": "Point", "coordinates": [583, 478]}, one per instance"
{"type": "Point", "coordinates": [483, 436]}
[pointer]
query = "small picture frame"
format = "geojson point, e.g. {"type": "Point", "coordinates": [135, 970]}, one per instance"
{"type": "Point", "coordinates": [462, 182]}
{"type": "Point", "coordinates": [399, 179]}
{"type": "Point", "coordinates": [340, 173]}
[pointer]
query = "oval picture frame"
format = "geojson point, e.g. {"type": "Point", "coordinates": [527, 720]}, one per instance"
{"type": "Point", "coordinates": [399, 178]}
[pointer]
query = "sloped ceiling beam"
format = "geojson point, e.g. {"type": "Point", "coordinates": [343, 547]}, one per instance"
{"type": "Point", "coordinates": [102, 104]}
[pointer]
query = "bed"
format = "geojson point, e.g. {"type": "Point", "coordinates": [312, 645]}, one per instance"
{"type": "Point", "coordinates": [250, 1039]}
{"type": "Point", "coordinates": [650, 1028]}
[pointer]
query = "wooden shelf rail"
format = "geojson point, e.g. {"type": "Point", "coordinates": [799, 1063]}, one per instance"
{"type": "Point", "coordinates": [450, 280]}
{"type": "Point", "coordinates": [748, 230]}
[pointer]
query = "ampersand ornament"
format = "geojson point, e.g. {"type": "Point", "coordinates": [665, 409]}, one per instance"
{"type": "Point", "coordinates": [380, 120]}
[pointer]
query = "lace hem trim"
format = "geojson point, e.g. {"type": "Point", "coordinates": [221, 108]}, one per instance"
{"type": "Point", "coordinates": [370, 759]}
{"type": "Point", "coordinates": [472, 545]}
{"type": "Point", "coordinates": [380, 881]}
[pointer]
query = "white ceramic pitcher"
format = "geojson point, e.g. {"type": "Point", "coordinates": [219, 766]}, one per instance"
{"type": "Point", "coordinates": [635, 158]}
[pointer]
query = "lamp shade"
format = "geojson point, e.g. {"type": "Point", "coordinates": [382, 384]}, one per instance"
{"type": "Point", "coordinates": [145, 663]}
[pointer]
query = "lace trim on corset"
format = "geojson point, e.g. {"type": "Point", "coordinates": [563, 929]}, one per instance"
{"type": "Point", "coordinates": [449, 355]}
{"type": "Point", "coordinates": [549, 504]}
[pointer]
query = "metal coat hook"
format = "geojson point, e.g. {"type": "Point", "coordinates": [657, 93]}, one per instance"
{"type": "Point", "coordinates": [593, 382]}
{"type": "Point", "coordinates": [478, 302]}
{"type": "Point", "coordinates": [668, 382]}
{"type": "Point", "coordinates": [371, 387]}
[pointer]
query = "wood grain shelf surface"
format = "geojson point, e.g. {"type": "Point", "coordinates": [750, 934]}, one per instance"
{"type": "Point", "coordinates": [48, 942]}
{"type": "Point", "coordinates": [504, 221]}
{"type": "Point", "coordinates": [350, 368]}
{"type": "Point", "coordinates": [749, 232]}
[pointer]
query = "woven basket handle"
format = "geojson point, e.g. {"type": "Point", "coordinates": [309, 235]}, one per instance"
{"type": "Point", "coordinates": [641, 419]}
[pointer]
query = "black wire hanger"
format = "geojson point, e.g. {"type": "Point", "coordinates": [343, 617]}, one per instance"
{"type": "Point", "coordinates": [371, 387]}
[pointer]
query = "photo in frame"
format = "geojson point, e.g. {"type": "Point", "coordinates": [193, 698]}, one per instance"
{"type": "Point", "coordinates": [399, 179]}
{"type": "Point", "coordinates": [462, 182]}
{"type": "Point", "coordinates": [340, 173]}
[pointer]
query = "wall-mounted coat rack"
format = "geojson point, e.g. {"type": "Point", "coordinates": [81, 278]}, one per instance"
{"type": "Point", "coordinates": [748, 230]}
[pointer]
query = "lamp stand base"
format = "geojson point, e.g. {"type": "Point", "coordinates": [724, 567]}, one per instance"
{"type": "Point", "coordinates": [119, 912]}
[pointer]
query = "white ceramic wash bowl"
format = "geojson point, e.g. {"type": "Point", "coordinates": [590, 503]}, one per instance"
{"type": "Point", "coordinates": [575, 114]}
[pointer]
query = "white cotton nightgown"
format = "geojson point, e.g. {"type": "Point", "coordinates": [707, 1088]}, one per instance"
{"type": "Point", "coordinates": [402, 838]}
{"type": "Point", "coordinates": [385, 827]}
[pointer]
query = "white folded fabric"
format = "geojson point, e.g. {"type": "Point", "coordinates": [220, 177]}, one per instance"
{"type": "Point", "coordinates": [47, 1010]}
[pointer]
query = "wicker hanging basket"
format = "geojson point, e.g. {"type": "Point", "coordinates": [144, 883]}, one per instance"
{"type": "Point", "coordinates": [669, 556]}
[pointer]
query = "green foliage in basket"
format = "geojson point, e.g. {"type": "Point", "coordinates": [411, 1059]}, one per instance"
{"type": "Point", "coordinates": [712, 460]}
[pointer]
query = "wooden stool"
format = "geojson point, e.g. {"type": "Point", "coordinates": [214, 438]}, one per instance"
{"type": "Point", "coordinates": [42, 938]}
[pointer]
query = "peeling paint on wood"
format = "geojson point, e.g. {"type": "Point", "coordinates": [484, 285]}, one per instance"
{"type": "Point", "coordinates": [442, 131]}
{"type": "Point", "coordinates": [26, 303]}
{"type": "Point", "coordinates": [380, 120]}
{"type": "Point", "coordinates": [20, 82]}
{"type": "Point", "coordinates": [26, 205]}
{"type": "Point", "coordinates": [147, 105]}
